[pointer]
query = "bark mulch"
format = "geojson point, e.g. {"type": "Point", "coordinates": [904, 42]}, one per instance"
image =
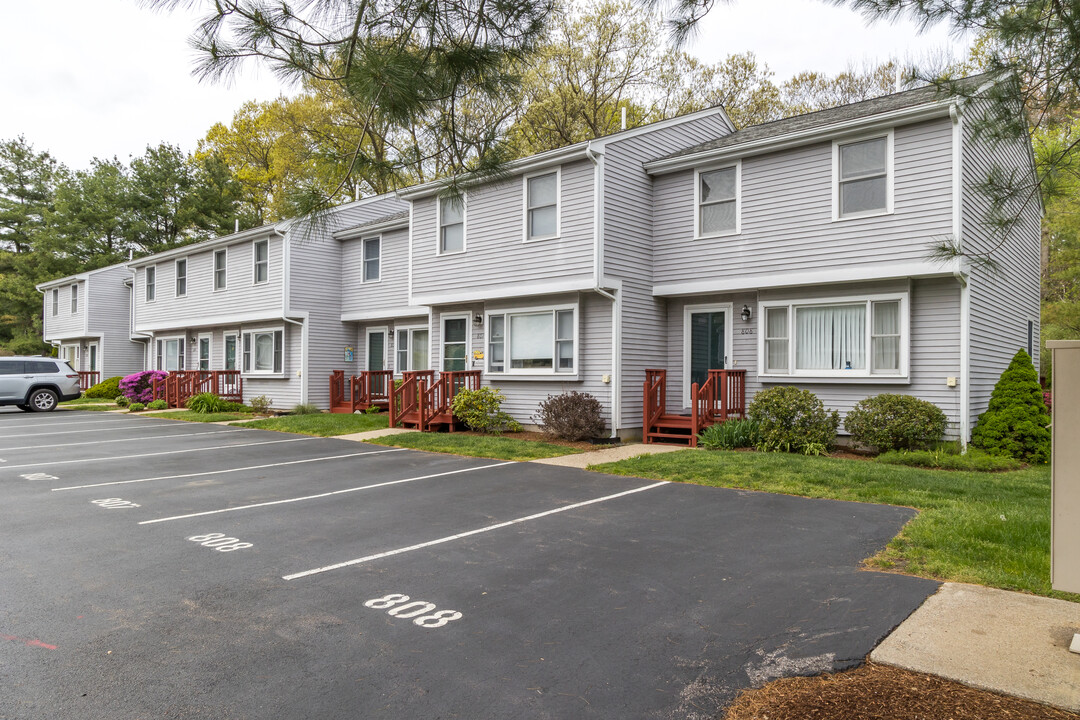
{"type": "Point", "coordinates": [882, 692]}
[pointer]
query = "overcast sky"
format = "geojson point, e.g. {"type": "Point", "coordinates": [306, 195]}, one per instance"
{"type": "Point", "coordinates": [103, 78]}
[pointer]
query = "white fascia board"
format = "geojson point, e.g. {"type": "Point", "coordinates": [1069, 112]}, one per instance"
{"type": "Point", "coordinates": [803, 137]}
{"type": "Point", "coordinates": [79, 276]}
{"type": "Point", "coordinates": [500, 292]}
{"type": "Point", "coordinates": [72, 336]}
{"type": "Point", "coordinates": [855, 273]}
{"type": "Point", "coordinates": [356, 233]}
{"type": "Point", "coordinates": [259, 232]}
{"type": "Point", "coordinates": [406, 311]}
{"type": "Point", "coordinates": [602, 142]}
{"type": "Point", "coordinates": [270, 315]}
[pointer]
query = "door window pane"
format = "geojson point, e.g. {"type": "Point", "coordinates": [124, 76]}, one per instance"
{"type": "Point", "coordinates": [708, 349]}
{"type": "Point", "coordinates": [172, 355]}
{"type": "Point", "coordinates": [93, 358]}
{"type": "Point", "coordinates": [454, 343]}
{"type": "Point", "coordinates": [204, 353]}
{"type": "Point", "coordinates": [230, 352]}
{"type": "Point", "coordinates": [830, 337]}
{"type": "Point", "coordinates": [376, 350]}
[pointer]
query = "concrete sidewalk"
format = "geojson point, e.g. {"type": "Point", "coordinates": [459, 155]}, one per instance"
{"type": "Point", "coordinates": [1008, 642]}
{"type": "Point", "coordinates": [610, 454]}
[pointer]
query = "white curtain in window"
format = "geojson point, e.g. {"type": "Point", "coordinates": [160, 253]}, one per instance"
{"type": "Point", "coordinates": [419, 350]}
{"type": "Point", "coordinates": [531, 339]}
{"type": "Point", "coordinates": [830, 337]}
{"type": "Point", "coordinates": [264, 352]}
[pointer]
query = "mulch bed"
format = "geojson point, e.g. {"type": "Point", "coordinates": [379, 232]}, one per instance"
{"type": "Point", "coordinates": [882, 692]}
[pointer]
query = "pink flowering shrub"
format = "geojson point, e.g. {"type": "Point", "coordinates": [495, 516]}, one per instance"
{"type": "Point", "coordinates": [140, 386]}
{"type": "Point", "coordinates": [1048, 398]}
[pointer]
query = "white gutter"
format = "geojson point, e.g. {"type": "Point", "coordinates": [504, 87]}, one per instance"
{"type": "Point", "coordinates": [286, 277]}
{"type": "Point", "coordinates": [598, 273]}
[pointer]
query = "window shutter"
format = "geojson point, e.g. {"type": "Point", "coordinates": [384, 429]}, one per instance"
{"type": "Point", "coordinates": [247, 352]}
{"type": "Point", "coordinates": [279, 337]}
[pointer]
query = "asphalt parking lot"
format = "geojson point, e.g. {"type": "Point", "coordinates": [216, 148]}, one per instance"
{"type": "Point", "coordinates": [159, 569]}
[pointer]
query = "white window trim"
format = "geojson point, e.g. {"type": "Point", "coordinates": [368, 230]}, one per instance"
{"type": "Point", "coordinates": [213, 270]}
{"type": "Point", "coordinates": [75, 299]}
{"type": "Point", "coordinates": [509, 372]}
{"type": "Point", "coordinates": [165, 339]}
{"type": "Point", "coordinates": [255, 262]}
{"type": "Point", "coordinates": [364, 259]}
{"type": "Point", "coordinates": [729, 338]}
{"type": "Point", "coordinates": [385, 348]}
{"type": "Point", "coordinates": [890, 175]}
{"type": "Point", "coordinates": [442, 337]}
{"type": "Point", "coordinates": [238, 347]}
{"type": "Point", "coordinates": [146, 283]}
{"type": "Point", "coordinates": [525, 206]}
{"type": "Point", "coordinates": [76, 355]}
{"type": "Point", "coordinates": [210, 351]}
{"type": "Point", "coordinates": [832, 376]}
{"type": "Point", "coordinates": [176, 277]}
{"type": "Point", "coordinates": [698, 235]}
{"type": "Point", "coordinates": [410, 328]}
{"type": "Point", "coordinates": [464, 226]}
{"type": "Point", "coordinates": [55, 302]}
{"type": "Point", "coordinates": [240, 352]}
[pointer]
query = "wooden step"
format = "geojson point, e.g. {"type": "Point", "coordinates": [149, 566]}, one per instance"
{"type": "Point", "coordinates": [347, 409]}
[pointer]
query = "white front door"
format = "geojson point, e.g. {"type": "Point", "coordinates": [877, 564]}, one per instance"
{"type": "Point", "coordinates": [93, 355]}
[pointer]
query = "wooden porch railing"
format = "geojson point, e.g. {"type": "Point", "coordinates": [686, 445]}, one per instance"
{"type": "Point", "coordinates": [180, 385]}
{"type": "Point", "coordinates": [88, 379]}
{"type": "Point", "coordinates": [720, 398]}
{"type": "Point", "coordinates": [424, 402]}
{"type": "Point", "coordinates": [405, 399]}
{"type": "Point", "coordinates": [359, 392]}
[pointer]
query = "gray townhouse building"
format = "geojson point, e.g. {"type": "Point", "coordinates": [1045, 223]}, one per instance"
{"type": "Point", "coordinates": [794, 252]}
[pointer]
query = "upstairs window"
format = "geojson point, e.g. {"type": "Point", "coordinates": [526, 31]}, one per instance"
{"type": "Point", "coordinates": [74, 299]}
{"type": "Point", "coordinates": [221, 259]}
{"type": "Point", "coordinates": [542, 206]}
{"type": "Point", "coordinates": [262, 261]}
{"type": "Point", "coordinates": [181, 278]}
{"type": "Point", "coordinates": [451, 225]}
{"type": "Point", "coordinates": [56, 301]}
{"type": "Point", "coordinates": [863, 182]}
{"type": "Point", "coordinates": [718, 201]}
{"type": "Point", "coordinates": [151, 283]}
{"type": "Point", "coordinates": [372, 251]}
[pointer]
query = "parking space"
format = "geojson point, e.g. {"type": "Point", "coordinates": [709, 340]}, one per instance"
{"type": "Point", "coordinates": [209, 571]}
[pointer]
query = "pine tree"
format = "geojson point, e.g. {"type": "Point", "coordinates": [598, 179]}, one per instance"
{"type": "Point", "coordinates": [1015, 423]}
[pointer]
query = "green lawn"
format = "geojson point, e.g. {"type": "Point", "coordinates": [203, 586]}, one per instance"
{"type": "Point", "coordinates": [192, 416]}
{"type": "Point", "coordinates": [986, 528]}
{"type": "Point", "coordinates": [85, 400]}
{"type": "Point", "coordinates": [322, 424]}
{"type": "Point", "coordinates": [84, 407]}
{"type": "Point", "coordinates": [499, 447]}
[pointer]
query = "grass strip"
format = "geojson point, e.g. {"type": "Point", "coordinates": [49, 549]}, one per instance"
{"type": "Point", "coordinates": [90, 408]}
{"type": "Point", "coordinates": [987, 528]}
{"type": "Point", "coordinates": [192, 416]}
{"type": "Point", "coordinates": [496, 447]}
{"type": "Point", "coordinates": [322, 424]}
{"type": "Point", "coordinates": [87, 401]}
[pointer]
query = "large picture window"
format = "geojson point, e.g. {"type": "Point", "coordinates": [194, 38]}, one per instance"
{"type": "Point", "coordinates": [856, 337]}
{"type": "Point", "coordinates": [863, 177]}
{"type": "Point", "coordinates": [263, 352]}
{"type": "Point", "coordinates": [451, 225]}
{"type": "Point", "coordinates": [718, 201]}
{"type": "Point", "coordinates": [532, 341]}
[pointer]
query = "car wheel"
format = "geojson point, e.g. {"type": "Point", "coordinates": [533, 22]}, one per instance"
{"type": "Point", "coordinates": [43, 401]}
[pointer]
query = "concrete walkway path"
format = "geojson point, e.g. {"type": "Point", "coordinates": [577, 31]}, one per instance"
{"type": "Point", "coordinates": [997, 640]}
{"type": "Point", "coordinates": [611, 454]}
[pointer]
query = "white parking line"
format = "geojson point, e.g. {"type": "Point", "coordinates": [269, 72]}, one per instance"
{"type": "Point", "coordinates": [167, 452]}
{"type": "Point", "coordinates": [230, 470]}
{"type": "Point", "coordinates": [77, 422]}
{"type": "Point", "coordinates": [77, 432]}
{"type": "Point", "coordinates": [101, 442]}
{"type": "Point", "coordinates": [489, 528]}
{"type": "Point", "coordinates": [326, 494]}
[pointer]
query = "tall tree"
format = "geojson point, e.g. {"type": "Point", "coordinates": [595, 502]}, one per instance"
{"type": "Point", "coordinates": [27, 182]}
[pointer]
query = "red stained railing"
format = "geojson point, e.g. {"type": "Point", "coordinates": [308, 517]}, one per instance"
{"type": "Point", "coordinates": [88, 379]}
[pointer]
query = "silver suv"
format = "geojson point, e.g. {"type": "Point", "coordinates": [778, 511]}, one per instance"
{"type": "Point", "coordinates": [37, 384]}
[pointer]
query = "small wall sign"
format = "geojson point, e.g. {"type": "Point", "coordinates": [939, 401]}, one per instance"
{"type": "Point", "coordinates": [348, 354]}
{"type": "Point", "coordinates": [477, 354]}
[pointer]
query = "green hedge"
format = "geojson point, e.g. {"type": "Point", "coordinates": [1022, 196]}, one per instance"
{"type": "Point", "coordinates": [107, 389]}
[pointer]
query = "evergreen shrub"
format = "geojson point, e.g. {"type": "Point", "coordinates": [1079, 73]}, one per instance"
{"type": "Point", "coordinates": [1015, 423]}
{"type": "Point", "coordinates": [107, 388]}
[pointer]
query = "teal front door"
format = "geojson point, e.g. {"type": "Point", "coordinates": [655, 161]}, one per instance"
{"type": "Point", "coordinates": [708, 344]}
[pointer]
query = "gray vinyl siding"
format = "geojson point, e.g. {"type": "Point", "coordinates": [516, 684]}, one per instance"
{"type": "Point", "coordinates": [629, 246]}
{"type": "Point", "coordinates": [934, 354]}
{"type": "Point", "coordinates": [523, 396]}
{"type": "Point", "coordinates": [787, 225]}
{"type": "Point", "coordinates": [317, 286]}
{"type": "Point", "coordinates": [202, 304]}
{"type": "Point", "coordinates": [65, 324]}
{"type": "Point", "coordinates": [495, 250]}
{"type": "Point", "coordinates": [108, 304]}
{"type": "Point", "coordinates": [1002, 301]}
{"type": "Point", "coordinates": [392, 289]}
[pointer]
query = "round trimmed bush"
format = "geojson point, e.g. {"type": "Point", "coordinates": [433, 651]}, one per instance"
{"type": "Point", "coordinates": [122, 400]}
{"type": "Point", "coordinates": [895, 422]}
{"type": "Point", "coordinates": [790, 419]}
{"type": "Point", "coordinates": [1015, 423]}
{"type": "Point", "coordinates": [107, 388]}
{"type": "Point", "coordinates": [572, 416]}
{"type": "Point", "coordinates": [158, 405]}
{"type": "Point", "coordinates": [481, 410]}
{"type": "Point", "coordinates": [136, 407]}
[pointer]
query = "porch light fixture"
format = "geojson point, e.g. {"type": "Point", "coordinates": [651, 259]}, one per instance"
{"type": "Point", "coordinates": [478, 319]}
{"type": "Point", "coordinates": [746, 313]}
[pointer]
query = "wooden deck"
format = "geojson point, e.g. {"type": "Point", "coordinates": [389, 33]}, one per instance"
{"type": "Point", "coordinates": [181, 385]}
{"type": "Point", "coordinates": [722, 397]}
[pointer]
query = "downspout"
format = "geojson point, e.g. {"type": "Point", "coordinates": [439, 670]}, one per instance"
{"type": "Point", "coordinates": [963, 278]}
{"type": "Point", "coordinates": [598, 274]}
{"type": "Point", "coordinates": [286, 275]}
{"type": "Point", "coordinates": [148, 338]}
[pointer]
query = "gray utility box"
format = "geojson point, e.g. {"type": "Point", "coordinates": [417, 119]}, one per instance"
{"type": "Point", "coordinates": [1065, 464]}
